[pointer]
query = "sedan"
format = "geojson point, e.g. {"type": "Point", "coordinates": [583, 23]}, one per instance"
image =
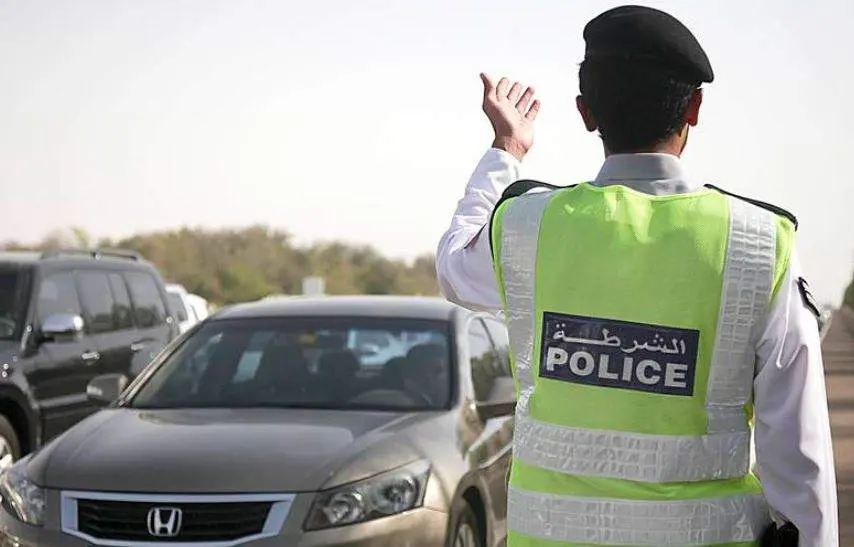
{"type": "Point", "coordinates": [261, 427]}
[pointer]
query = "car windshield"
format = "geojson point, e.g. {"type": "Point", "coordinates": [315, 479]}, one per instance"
{"type": "Point", "coordinates": [312, 362]}
{"type": "Point", "coordinates": [10, 303]}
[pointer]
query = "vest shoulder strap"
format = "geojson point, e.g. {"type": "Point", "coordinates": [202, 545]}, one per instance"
{"type": "Point", "coordinates": [518, 188]}
{"type": "Point", "coordinates": [773, 208]}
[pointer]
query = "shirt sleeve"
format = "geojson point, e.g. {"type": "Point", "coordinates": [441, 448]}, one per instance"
{"type": "Point", "coordinates": [794, 453]}
{"type": "Point", "coordinates": [464, 257]}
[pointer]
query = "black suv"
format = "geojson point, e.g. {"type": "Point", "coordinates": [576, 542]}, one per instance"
{"type": "Point", "coordinates": [65, 318]}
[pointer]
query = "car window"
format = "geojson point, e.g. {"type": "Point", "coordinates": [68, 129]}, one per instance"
{"type": "Point", "coordinates": [11, 305]}
{"type": "Point", "coordinates": [57, 294]}
{"type": "Point", "coordinates": [149, 309]}
{"type": "Point", "coordinates": [373, 337]}
{"type": "Point", "coordinates": [484, 360]}
{"type": "Point", "coordinates": [376, 347]}
{"type": "Point", "coordinates": [122, 311]}
{"type": "Point", "coordinates": [498, 333]}
{"type": "Point", "coordinates": [97, 300]}
{"type": "Point", "coordinates": [177, 305]}
{"type": "Point", "coordinates": [306, 363]}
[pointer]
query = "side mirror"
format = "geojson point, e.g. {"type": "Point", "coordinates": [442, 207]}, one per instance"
{"type": "Point", "coordinates": [106, 388]}
{"type": "Point", "coordinates": [501, 400]}
{"type": "Point", "coordinates": [61, 325]}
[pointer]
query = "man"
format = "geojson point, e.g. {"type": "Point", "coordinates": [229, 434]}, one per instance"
{"type": "Point", "coordinates": [652, 320]}
{"type": "Point", "coordinates": [426, 374]}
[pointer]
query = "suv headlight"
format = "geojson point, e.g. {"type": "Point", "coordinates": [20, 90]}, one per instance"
{"type": "Point", "coordinates": [387, 494]}
{"type": "Point", "coordinates": [21, 497]}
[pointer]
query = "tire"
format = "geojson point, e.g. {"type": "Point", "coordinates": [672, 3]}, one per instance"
{"type": "Point", "coordinates": [465, 531]}
{"type": "Point", "coordinates": [9, 443]}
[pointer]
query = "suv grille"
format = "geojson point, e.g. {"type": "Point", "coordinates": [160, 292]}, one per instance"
{"type": "Point", "coordinates": [211, 521]}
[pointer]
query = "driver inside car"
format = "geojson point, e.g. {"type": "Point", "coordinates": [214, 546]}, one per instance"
{"type": "Point", "coordinates": [426, 374]}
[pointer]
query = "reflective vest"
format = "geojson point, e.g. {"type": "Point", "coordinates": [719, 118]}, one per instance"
{"type": "Point", "coordinates": [632, 322]}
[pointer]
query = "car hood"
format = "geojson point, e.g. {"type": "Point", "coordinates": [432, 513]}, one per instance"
{"type": "Point", "coordinates": [246, 450]}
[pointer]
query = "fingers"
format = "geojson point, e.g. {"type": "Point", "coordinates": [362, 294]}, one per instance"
{"type": "Point", "coordinates": [501, 90]}
{"type": "Point", "coordinates": [533, 111]}
{"type": "Point", "coordinates": [504, 91]}
{"type": "Point", "coordinates": [488, 85]}
{"type": "Point", "coordinates": [525, 100]}
{"type": "Point", "coordinates": [515, 92]}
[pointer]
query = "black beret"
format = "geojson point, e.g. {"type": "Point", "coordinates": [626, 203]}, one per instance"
{"type": "Point", "coordinates": [648, 35]}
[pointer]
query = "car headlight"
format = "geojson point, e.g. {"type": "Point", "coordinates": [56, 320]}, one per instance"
{"type": "Point", "coordinates": [20, 497]}
{"type": "Point", "coordinates": [391, 493]}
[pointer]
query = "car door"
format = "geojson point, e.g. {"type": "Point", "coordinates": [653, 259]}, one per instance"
{"type": "Point", "coordinates": [504, 437]}
{"type": "Point", "coordinates": [59, 371]}
{"type": "Point", "coordinates": [106, 309]}
{"type": "Point", "coordinates": [152, 320]}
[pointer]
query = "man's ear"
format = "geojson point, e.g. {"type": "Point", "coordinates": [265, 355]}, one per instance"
{"type": "Point", "coordinates": [587, 116]}
{"type": "Point", "coordinates": [692, 115]}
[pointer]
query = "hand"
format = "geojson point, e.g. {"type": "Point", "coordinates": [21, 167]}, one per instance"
{"type": "Point", "coordinates": [511, 113]}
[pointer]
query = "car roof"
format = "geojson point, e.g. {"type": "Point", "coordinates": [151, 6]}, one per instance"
{"type": "Point", "coordinates": [19, 256]}
{"type": "Point", "coordinates": [416, 307]}
{"type": "Point", "coordinates": [75, 258]}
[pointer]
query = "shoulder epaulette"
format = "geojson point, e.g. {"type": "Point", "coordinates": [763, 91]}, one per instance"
{"type": "Point", "coordinates": [518, 188]}
{"type": "Point", "coordinates": [773, 208]}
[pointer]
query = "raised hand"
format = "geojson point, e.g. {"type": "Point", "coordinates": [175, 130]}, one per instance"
{"type": "Point", "coordinates": [511, 112]}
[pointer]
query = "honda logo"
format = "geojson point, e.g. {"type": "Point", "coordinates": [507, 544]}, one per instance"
{"type": "Point", "coordinates": [164, 521]}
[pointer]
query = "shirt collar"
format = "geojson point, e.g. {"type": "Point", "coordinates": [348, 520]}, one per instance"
{"type": "Point", "coordinates": [650, 173]}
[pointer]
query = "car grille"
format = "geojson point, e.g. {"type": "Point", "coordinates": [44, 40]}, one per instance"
{"type": "Point", "coordinates": [210, 521]}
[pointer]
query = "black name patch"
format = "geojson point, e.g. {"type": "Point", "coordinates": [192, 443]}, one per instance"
{"type": "Point", "coordinates": [619, 354]}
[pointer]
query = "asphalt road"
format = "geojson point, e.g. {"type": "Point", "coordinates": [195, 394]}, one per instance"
{"type": "Point", "coordinates": [838, 351]}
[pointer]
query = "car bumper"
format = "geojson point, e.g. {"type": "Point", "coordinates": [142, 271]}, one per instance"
{"type": "Point", "coordinates": [422, 527]}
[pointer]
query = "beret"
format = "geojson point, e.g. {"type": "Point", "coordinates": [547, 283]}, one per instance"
{"type": "Point", "coordinates": [648, 36]}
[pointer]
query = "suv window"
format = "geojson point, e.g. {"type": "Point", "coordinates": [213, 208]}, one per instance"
{"type": "Point", "coordinates": [57, 294]}
{"type": "Point", "coordinates": [97, 299]}
{"type": "Point", "coordinates": [122, 311]}
{"type": "Point", "coordinates": [149, 309]}
{"type": "Point", "coordinates": [177, 305]}
{"type": "Point", "coordinates": [11, 302]}
{"type": "Point", "coordinates": [500, 338]}
{"type": "Point", "coordinates": [484, 360]}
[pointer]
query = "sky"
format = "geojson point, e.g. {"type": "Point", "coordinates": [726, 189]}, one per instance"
{"type": "Point", "coordinates": [361, 121]}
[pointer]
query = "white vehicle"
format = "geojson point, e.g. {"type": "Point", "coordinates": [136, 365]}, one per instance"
{"type": "Point", "coordinates": [199, 305]}
{"type": "Point", "coordinates": [179, 302]}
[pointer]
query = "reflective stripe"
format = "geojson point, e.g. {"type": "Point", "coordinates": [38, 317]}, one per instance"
{"type": "Point", "coordinates": [648, 458]}
{"type": "Point", "coordinates": [747, 286]}
{"type": "Point", "coordinates": [519, 235]}
{"type": "Point", "coordinates": [708, 521]}
{"type": "Point", "coordinates": [725, 452]}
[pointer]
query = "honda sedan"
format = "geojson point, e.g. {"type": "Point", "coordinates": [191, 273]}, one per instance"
{"type": "Point", "coordinates": [261, 427]}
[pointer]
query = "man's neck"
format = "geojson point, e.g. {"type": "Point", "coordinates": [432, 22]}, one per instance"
{"type": "Point", "coordinates": [672, 146]}
{"type": "Point", "coordinates": [655, 150]}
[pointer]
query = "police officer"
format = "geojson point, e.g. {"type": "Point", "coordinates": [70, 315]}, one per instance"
{"type": "Point", "coordinates": [653, 321]}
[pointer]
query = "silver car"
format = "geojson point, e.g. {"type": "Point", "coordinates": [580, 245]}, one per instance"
{"type": "Point", "coordinates": [260, 427]}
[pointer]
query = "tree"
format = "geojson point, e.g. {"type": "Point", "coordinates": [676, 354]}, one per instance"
{"type": "Point", "coordinates": [235, 265]}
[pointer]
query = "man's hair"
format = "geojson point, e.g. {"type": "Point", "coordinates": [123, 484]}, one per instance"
{"type": "Point", "coordinates": [636, 106]}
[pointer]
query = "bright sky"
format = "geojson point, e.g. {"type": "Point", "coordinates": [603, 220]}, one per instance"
{"type": "Point", "coordinates": [361, 120]}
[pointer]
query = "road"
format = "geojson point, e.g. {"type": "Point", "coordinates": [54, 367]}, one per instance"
{"type": "Point", "coordinates": [838, 351]}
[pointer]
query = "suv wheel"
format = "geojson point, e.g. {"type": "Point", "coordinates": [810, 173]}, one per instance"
{"type": "Point", "coordinates": [465, 532]}
{"type": "Point", "coordinates": [10, 447]}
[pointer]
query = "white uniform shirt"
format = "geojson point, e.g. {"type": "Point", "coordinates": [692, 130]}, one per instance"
{"type": "Point", "coordinates": [794, 456]}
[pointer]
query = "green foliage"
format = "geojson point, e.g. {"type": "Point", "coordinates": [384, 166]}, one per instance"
{"type": "Point", "coordinates": [227, 266]}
